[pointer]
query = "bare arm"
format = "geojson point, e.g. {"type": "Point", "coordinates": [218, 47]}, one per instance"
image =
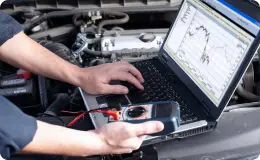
{"type": "Point", "coordinates": [51, 139]}
{"type": "Point", "coordinates": [116, 138]}
{"type": "Point", "coordinates": [23, 52]}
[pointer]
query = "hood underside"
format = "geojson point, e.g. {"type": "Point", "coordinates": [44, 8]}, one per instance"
{"type": "Point", "coordinates": [119, 5]}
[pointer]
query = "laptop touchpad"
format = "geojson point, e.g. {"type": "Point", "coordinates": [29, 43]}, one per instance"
{"type": "Point", "coordinates": [112, 100]}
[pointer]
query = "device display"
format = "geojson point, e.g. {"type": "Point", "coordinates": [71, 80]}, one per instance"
{"type": "Point", "coordinates": [166, 112]}
{"type": "Point", "coordinates": [208, 47]}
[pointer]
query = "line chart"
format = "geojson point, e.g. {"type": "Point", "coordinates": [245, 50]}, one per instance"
{"type": "Point", "coordinates": [207, 51]}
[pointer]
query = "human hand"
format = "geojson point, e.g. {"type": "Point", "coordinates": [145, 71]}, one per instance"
{"type": "Point", "coordinates": [121, 137]}
{"type": "Point", "coordinates": [95, 80]}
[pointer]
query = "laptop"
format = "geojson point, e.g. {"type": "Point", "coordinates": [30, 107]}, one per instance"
{"type": "Point", "coordinates": [204, 55]}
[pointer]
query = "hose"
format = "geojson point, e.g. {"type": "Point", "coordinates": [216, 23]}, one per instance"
{"type": "Point", "coordinates": [76, 21]}
{"type": "Point", "coordinates": [97, 62]}
{"type": "Point", "coordinates": [60, 50]}
{"type": "Point", "coordinates": [117, 29]}
{"type": "Point", "coordinates": [43, 92]}
{"type": "Point", "coordinates": [91, 52]}
{"type": "Point", "coordinates": [245, 105]}
{"type": "Point", "coordinates": [55, 14]}
{"type": "Point", "coordinates": [247, 95]}
{"type": "Point", "coordinates": [103, 23]}
{"type": "Point", "coordinates": [61, 102]}
{"type": "Point", "coordinates": [54, 32]}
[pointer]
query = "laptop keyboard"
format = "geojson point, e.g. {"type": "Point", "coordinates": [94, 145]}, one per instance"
{"type": "Point", "coordinates": [158, 87]}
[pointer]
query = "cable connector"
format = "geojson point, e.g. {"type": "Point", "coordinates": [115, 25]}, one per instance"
{"type": "Point", "coordinates": [114, 114]}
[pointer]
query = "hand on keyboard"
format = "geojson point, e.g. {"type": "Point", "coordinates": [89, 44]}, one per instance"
{"type": "Point", "coordinates": [96, 80]}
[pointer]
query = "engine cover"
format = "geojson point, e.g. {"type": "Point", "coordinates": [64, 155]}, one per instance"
{"type": "Point", "coordinates": [129, 41]}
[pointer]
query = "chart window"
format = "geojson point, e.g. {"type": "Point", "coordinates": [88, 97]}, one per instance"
{"type": "Point", "coordinates": [208, 47]}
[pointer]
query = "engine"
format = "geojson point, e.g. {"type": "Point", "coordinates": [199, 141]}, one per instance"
{"type": "Point", "coordinates": [88, 38]}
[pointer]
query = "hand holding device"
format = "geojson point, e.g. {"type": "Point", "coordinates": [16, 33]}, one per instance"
{"type": "Point", "coordinates": [166, 112]}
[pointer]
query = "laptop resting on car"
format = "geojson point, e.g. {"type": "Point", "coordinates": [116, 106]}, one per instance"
{"type": "Point", "coordinates": [204, 55]}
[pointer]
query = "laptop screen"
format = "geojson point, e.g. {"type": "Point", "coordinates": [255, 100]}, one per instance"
{"type": "Point", "coordinates": [208, 47]}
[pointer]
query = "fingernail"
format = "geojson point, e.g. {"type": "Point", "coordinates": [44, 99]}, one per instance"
{"type": "Point", "coordinates": [125, 90]}
{"type": "Point", "coordinates": [159, 126]}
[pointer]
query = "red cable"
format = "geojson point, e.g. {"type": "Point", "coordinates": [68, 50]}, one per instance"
{"type": "Point", "coordinates": [114, 114]}
{"type": "Point", "coordinates": [77, 118]}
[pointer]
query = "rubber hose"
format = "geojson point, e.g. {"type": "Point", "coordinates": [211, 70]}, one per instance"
{"type": "Point", "coordinates": [61, 102]}
{"type": "Point", "coordinates": [103, 23]}
{"type": "Point", "coordinates": [55, 14]}
{"type": "Point", "coordinates": [76, 21]}
{"type": "Point", "coordinates": [94, 53]}
{"type": "Point", "coordinates": [247, 95]}
{"type": "Point", "coordinates": [60, 50]}
{"type": "Point", "coordinates": [117, 29]}
{"type": "Point", "coordinates": [97, 62]}
{"type": "Point", "coordinates": [43, 93]}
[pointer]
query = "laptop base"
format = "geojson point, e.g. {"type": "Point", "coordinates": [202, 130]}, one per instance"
{"type": "Point", "coordinates": [190, 124]}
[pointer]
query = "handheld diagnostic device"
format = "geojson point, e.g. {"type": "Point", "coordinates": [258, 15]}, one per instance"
{"type": "Point", "coordinates": [166, 112]}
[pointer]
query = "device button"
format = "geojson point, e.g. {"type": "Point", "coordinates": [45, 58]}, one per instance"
{"type": "Point", "coordinates": [136, 112]}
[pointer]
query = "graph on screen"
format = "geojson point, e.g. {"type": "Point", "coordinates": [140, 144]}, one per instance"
{"type": "Point", "coordinates": [207, 51]}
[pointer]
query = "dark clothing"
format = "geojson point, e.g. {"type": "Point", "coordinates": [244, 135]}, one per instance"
{"type": "Point", "coordinates": [16, 128]}
{"type": "Point", "coordinates": [8, 27]}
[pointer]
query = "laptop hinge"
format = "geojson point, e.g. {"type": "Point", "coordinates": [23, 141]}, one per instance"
{"type": "Point", "coordinates": [164, 58]}
{"type": "Point", "coordinates": [206, 109]}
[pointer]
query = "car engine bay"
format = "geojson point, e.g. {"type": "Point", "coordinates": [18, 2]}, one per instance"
{"type": "Point", "coordinates": [101, 32]}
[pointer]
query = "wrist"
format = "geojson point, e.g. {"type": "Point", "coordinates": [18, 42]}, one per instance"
{"type": "Point", "coordinates": [76, 74]}
{"type": "Point", "coordinates": [95, 145]}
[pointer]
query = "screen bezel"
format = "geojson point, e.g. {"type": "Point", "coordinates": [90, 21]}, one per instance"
{"type": "Point", "coordinates": [210, 107]}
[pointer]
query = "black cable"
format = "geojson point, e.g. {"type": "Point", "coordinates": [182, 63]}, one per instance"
{"type": "Point", "coordinates": [46, 114]}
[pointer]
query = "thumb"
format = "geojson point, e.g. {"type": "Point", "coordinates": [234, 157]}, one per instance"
{"type": "Point", "coordinates": [115, 89]}
{"type": "Point", "coordinates": [148, 128]}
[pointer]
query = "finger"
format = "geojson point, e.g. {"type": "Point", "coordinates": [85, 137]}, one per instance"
{"type": "Point", "coordinates": [114, 89]}
{"type": "Point", "coordinates": [130, 68]}
{"type": "Point", "coordinates": [136, 73]}
{"type": "Point", "coordinates": [142, 138]}
{"type": "Point", "coordinates": [133, 143]}
{"type": "Point", "coordinates": [124, 76]}
{"type": "Point", "coordinates": [148, 128]}
{"type": "Point", "coordinates": [122, 151]}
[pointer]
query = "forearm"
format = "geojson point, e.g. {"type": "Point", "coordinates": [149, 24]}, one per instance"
{"type": "Point", "coordinates": [51, 139]}
{"type": "Point", "coordinates": [23, 52]}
